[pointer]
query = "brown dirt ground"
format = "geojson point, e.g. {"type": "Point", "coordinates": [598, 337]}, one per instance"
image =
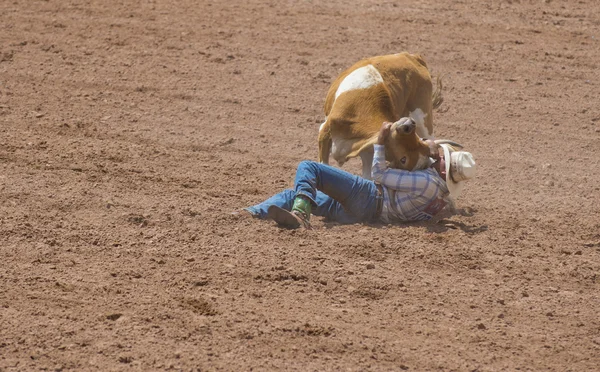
{"type": "Point", "coordinates": [130, 130]}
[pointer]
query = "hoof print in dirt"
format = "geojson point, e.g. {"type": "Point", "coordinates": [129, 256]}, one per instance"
{"type": "Point", "coordinates": [199, 306]}
{"type": "Point", "coordinates": [125, 359]}
{"type": "Point", "coordinates": [114, 316]}
{"type": "Point", "coordinates": [138, 219]}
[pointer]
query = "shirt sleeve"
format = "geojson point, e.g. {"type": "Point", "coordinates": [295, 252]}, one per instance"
{"type": "Point", "coordinates": [396, 179]}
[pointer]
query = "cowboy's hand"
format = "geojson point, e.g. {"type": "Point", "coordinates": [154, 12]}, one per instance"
{"type": "Point", "coordinates": [384, 132]}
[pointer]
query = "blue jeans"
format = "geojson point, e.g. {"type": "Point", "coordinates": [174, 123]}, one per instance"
{"type": "Point", "coordinates": [335, 194]}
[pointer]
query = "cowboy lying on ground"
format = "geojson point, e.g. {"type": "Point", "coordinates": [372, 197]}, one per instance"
{"type": "Point", "coordinates": [393, 195]}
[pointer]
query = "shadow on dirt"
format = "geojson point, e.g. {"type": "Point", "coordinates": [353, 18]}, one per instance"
{"type": "Point", "coordinates": [439, 224]}
{"type": "Point", "coordinates": [442, 223]}
{"type": "Point", "coordinates": [445, 225]}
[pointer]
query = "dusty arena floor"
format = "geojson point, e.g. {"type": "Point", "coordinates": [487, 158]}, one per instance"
{"type": "Point", "coordinates": [130, 130]}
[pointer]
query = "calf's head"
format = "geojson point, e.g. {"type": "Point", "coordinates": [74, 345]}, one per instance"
{"type": "Point", "coordinates": [405, 150]}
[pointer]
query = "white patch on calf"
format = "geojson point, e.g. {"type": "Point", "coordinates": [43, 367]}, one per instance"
{"type": "Point", "coordinates": [340, 148]}
{"type": "Point", "coordinates": [361, 78]}
{"type": "Point", "coordinates": [419, 117]}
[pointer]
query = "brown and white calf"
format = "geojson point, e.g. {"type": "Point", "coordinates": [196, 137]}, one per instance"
{"type": "Point", "coordinates": [394, 88]}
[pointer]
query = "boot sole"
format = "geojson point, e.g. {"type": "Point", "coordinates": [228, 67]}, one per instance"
{"type": "Point", "coordinates": [283, 217]}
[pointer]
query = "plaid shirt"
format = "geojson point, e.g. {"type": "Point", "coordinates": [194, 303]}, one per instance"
{"type": "Point", "coordinates": [408, 195]}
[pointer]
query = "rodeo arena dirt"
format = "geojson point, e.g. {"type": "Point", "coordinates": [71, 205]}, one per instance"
{"type": "Point", "coordinates": [130, 132]}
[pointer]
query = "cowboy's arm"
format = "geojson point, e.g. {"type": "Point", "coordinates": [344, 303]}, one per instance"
{"type": "Point", "coordinates": [396, 179]}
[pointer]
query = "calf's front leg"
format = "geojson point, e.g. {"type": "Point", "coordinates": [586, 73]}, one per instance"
{"type": "Point", "coordinates": [366, 157]}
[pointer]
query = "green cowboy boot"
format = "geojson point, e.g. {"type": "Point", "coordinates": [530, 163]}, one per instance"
{"type": "Point", "coordinates": [302, 208]}
{"type": "Point", "coordinates": [299, 216]}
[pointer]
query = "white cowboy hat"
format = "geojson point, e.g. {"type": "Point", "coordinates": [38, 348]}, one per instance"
{"type": "Point", "coordinates": [460, 166]}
